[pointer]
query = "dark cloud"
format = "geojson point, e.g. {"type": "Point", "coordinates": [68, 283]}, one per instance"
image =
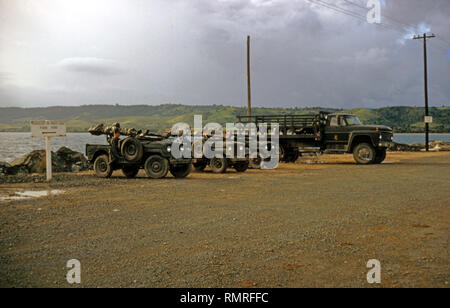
{"type": "Point", "coordinates": [194, 52]}
{"type": "Point", "coordinates": [88, 65]}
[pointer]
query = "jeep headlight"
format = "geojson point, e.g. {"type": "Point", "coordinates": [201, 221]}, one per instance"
{"type": "Point", "coordinates": [169, 148]}
{"type": "Point", "coordinates": [381, 137]}
{"type": "Point", "coordinates": [241, 148]}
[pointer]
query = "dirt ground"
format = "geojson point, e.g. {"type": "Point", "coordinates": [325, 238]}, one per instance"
{"type": "Point", "coordinates": [315, 223]}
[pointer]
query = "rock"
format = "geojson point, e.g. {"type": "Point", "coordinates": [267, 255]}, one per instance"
{"type": "Point", "coordinates": [440, 145]}
{"type": "Point", "coordinates": [399, 147]}
{"type": "Point", "coordinates": [4, 167]}
{"type": "Point", "coordinates": [64, 160]}
{"type": "Point", "coordinates": [72, 161]}
{"type": "Point", "coordinates": [32, 163]}
{"type": "Point", "coordinates": [417, 145]}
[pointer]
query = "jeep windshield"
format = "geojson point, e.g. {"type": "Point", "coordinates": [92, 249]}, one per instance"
{"type": "Point", "coordinates": [352, 120]}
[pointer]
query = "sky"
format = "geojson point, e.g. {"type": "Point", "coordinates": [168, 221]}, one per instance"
{"type": "Point", "coordinates": [304, 53]}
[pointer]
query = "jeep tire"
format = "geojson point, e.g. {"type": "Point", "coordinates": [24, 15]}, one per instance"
{"type": "Point", "coordinates": [181, 171]}
{"type": "Point", "coordinates": [102, 167]}
{"type": "Point", "coordinates": [156, 167]}
{"type": "Point", "coordinates": [132, 150]}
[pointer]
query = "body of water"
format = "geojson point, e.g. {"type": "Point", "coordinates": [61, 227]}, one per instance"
{"type": "Point", "coordinates": [14, 145]}
{"type": "Point", "coordinates": [412, 138]}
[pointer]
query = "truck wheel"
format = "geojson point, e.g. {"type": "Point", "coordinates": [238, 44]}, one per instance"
{"type": "Point", "coordinates": [241, 166]}
{"type": "Point", "coordinates": [380, 156]}
{"type": "Point", "coordinates": [102, 167]}
{"type": "Point", "coordinates": [130, 171]}
{"type": "Point", "coordinates": [181, 171]}
{"type": "Point", "coordinates": [364, 154]}
{"type": "Point", "coordinates": [132, 150]}
{"type": "Point", "coordinates": [156, 167]}
{"type": "Point", "coordinates": [200, 166]}
{"type": "Point", "coordinates": [218, 165]}
{"type": "Point", "coordinates": [255, 163]}
{"type": "Point", "coordinates": [281, 154]}
{"type": "Point", "coordinates": [293, 156]}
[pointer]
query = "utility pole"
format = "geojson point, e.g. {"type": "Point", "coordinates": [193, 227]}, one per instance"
{"type": "Point", "coordinates": [427, 125]}
{"type": "Point", "coordinates": [249, 103]}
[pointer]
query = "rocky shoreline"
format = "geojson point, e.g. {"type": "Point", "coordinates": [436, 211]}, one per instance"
{"type": "Point", "coordinates": [32, 167]}
{"type": "Point", "coordinates": [434, 146]}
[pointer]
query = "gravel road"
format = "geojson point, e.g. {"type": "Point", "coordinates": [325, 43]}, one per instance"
{"type": "Point", "coordinates": [310, 224]}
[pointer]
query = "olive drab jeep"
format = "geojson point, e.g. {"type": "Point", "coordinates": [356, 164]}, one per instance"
{"type": "Point", "coordinates": [136, 151]}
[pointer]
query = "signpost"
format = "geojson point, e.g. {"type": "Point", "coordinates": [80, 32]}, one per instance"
{"type": "Point", "coordinates": [47, 130]}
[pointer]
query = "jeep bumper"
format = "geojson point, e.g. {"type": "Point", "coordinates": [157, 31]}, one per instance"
{"type": "Point", "coordinates": [385, 144]}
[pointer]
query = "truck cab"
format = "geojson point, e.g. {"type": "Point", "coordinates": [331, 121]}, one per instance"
{"type": "Point", "coordinates": [345, 133]}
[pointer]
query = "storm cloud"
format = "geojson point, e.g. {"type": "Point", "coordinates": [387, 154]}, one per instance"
{"type": "Point", "coordinates": [304, 52]}
{"type": "Point", "coordinates": [91, 66]}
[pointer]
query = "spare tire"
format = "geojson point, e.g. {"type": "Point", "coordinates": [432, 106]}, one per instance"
{"type": "Point", "coordinates": [132, 150]}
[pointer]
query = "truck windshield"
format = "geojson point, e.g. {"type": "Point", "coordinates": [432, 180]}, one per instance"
{"type": "Point", "coordinates": [352, 120]}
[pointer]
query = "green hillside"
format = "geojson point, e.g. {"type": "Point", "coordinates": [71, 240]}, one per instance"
{"type": "Point", "coordinates": [159, 118]}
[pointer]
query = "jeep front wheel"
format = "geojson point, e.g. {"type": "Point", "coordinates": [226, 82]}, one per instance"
{"type": "Point", "coordinates": [364, 154]}
{"type": "Point", "coordinates": [102, 167]}
{"type": "Point", "coordinates": [181, 171]}
{"type": "Point", "coordinates": [156, 167]}
{"type": "Point", "coordinates": [130, 171]}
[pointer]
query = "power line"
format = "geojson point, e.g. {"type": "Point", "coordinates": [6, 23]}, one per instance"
{"type": "Point", "coordinates": [401, 23]}
{"type": "Point", "coordinates": [364, 18]}
{"type": "Point", "coordinates": [351, 13]}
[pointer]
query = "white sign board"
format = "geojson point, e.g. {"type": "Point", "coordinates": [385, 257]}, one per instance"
{"type": "Point", "coordinates": [429, 119]}
{"type": "Point", "coordinates": [48, 129]}
{"type": "Point", "coordinates": [40, 129]}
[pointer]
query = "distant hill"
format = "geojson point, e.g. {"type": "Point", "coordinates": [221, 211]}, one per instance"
{"type": "Point", "coordinates": [159, 118]}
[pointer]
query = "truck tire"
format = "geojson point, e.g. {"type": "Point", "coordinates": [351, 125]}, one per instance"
{"type": "Point", "coordinates": [364, 154]}
{"type": "Point", "coordinates": [218, 165]}
{"type": "Point", "coordinates": [102, 167]}
{"type": "Point", "coordinates": [200, 165]}
{"type": "Point", "coordinates": [130, 171]}
{"type": "Point", "coordinates": [281, 154]}
{"type": "Point", "coordinates": [380, 156]}
{"type": "Point", "coordinates": [255, 163]}
{"type": "Point", "coordinates": [181, 171]}
{"type": "Point", "coordinates": [156, 167]}
{"type": "Point", "coordinates": [241, 166]}
{"type": "Point", "coordinates": [132, 150]}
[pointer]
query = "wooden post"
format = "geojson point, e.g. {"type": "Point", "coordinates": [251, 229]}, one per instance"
{"type": "Point", "coordinates": [249, 105]}
{"type": "Point", "coordinates": [48, 154]}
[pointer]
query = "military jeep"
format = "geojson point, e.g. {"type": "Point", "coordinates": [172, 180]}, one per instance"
{"type": "Point", "coordinates": [149, 152]}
